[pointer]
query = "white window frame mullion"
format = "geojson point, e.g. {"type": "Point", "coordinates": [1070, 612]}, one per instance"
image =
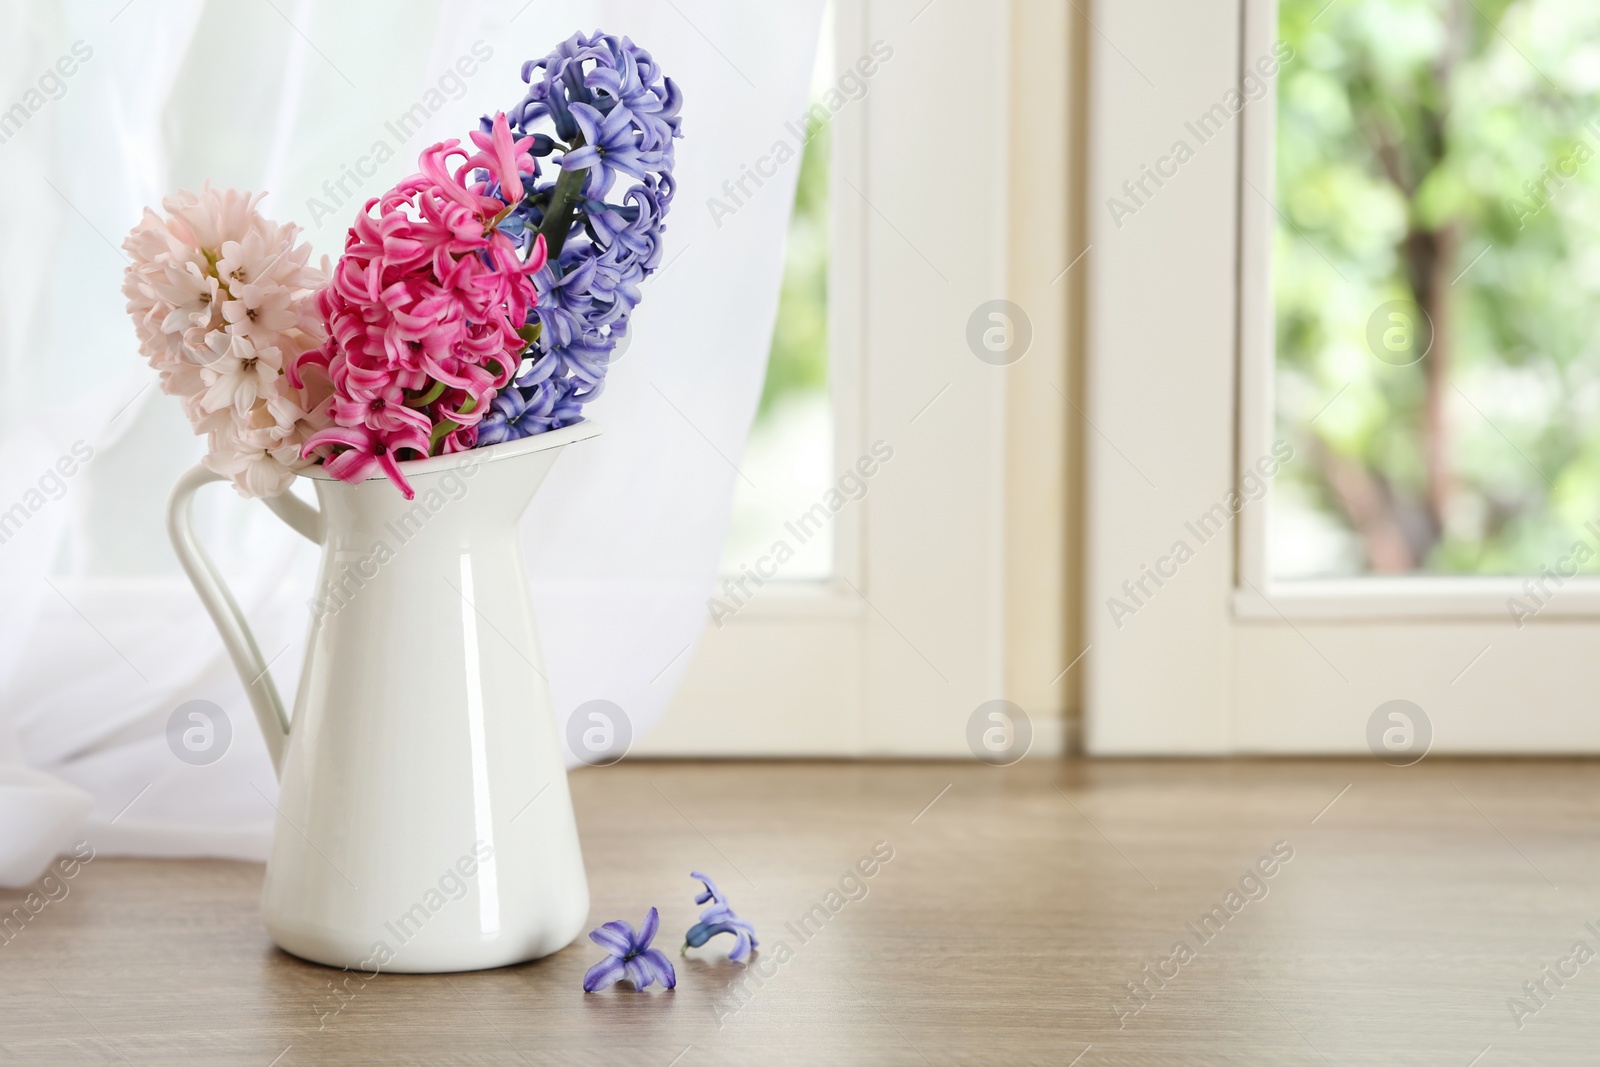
{"type": "Point", "coordinates": [1257, 317]}
{"type": "Point", "coordinates": [894, 654]}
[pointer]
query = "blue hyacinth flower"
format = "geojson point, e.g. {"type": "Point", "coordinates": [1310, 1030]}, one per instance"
{"type": "Point", "coordinates": [631, 956]}
{"type": "Point", "coordinates": [719, 919]}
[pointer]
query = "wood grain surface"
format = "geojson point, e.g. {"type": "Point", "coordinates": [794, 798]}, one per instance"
{"type": "Point", "coordinates": [1018, 905]}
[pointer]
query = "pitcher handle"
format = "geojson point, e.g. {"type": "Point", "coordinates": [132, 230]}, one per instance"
{"type": "Point", "coordinates": [236, 636]}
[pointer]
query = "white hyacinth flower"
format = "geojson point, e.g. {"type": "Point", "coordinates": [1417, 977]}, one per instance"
{"type": "Point", "coordinates": [221, 299]}
{"type": "Point", "coordinates": [238, 373]}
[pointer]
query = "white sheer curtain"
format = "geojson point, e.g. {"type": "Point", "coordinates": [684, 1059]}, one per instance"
{"type": "Point", "coordinates": [100, 636]}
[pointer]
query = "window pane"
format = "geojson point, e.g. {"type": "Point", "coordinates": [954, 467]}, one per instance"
{"type": "Point", "coordinates": [1437, 282]}
{"type": "Point", "coordinates": [789, 461]}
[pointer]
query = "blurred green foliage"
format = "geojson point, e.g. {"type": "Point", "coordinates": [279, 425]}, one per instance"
{"type": "Point", "coordinates": [798, 362]}
{"type": "Point", "coordinates": [1440, 152]}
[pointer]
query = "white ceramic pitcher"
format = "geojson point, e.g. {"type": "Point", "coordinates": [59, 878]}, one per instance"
{"type": "Point", "coordinates": [424, 822]}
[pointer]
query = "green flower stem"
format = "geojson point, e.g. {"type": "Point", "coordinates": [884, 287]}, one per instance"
{"type": "Point", "coordinates": [447, 427]}
{"type": "Point", "coordinates": [426, 398]}
{"type": "Point", "coordinates": [563, 207]}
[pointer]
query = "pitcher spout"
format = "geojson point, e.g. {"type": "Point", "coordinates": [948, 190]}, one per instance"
{"type": "Point", "coordinates": [500, 480]}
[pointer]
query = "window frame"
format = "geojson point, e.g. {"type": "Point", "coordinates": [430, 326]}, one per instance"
{"type": "Point", "coordinates": [1219, 659]}
{"type": "Point", "coordinates": [893, 655]}
{"type": "Point", "coordinates": [1260, 595]}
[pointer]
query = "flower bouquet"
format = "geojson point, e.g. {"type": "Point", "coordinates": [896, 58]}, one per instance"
{"type": "Point", "coordinates": [476, 302]}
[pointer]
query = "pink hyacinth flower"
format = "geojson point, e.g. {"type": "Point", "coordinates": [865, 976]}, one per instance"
{"type": "Point", "coordinates": [364, 449]}
{"type": "Point", "coordinates": [424, 310]}
{"type": "Point", "coordinates": [506, 159]}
